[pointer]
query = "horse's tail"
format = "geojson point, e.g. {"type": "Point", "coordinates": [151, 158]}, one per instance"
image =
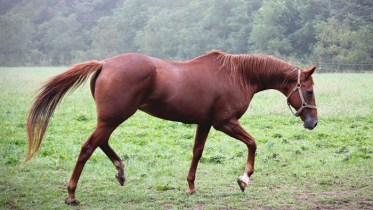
{"type": "Point", "coordinates": [49, 97]}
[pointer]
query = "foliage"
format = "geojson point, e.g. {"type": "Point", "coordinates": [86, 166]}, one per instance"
{"type": "Point", "coordinates": [15, 37]}
{"type": "Point", "coordinates": [60, 42]}
{"type": "Point", "coordinates": [269, 34]}
{"type": "Point", "coordinates": [339, 42]}
{"type": "Point", "coordinates": [62, 32]}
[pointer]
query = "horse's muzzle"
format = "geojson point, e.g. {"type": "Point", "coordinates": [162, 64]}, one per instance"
{"type": "Point", "coordinates": [310, 124]}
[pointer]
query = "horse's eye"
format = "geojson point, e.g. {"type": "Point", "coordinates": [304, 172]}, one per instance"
{"type": "Point", "coordinates": [309, 92]}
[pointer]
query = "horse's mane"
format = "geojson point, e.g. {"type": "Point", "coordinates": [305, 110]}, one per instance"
{"type": "Point", "coordinates": [252, 69]}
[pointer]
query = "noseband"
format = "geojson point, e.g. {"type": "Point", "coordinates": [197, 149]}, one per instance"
{"type": "Point", "coordinates": [304, 104]}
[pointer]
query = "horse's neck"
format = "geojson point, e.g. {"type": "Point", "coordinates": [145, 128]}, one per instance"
{"type": "Point", "coordinates": [258, 79]}
{"type": "Point", "coordinates": [274, 81]}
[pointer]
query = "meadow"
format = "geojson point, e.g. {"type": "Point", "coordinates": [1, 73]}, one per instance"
{"type": "Point", "coordinates": [328, 167]}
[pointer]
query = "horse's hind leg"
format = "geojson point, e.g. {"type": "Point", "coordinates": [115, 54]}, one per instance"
{"type": "Point", "coordinates": [107, 123]}
{"type": "Point", "coordinates": [118, 163]}
{"type": "Point", "coordinates": [119, 91]}
{"type": "Point", "coordinates": [99, 136]}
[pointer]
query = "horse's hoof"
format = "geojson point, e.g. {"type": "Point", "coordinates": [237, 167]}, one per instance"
{"type": "Point", "coordinates": [120, 179]}
{"type": "Point", "coordinates": [191, 192]}
{"type": "Point", "coordinates": [242, 184]}
{"type": "Point", "coordinates": [71, 201]}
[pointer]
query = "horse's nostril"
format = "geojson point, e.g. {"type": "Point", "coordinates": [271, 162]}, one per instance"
{"type": "Point", "coordinates": [310, 124]}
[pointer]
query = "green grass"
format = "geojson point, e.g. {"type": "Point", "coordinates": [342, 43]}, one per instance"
{"type": "Point", "coordinates": [329, 167]}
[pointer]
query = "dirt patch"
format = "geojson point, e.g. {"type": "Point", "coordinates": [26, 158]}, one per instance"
{"type": "Point", "coordinates": [9, 203]}
{"type": "Point", "coordinates": [199, 206]}
{"type": "Point", "coordinates": [334, 199]}
{"type": "Point", "coordinates": [167, 206]}
{"type": "Point", "coordinates": [366, 203]}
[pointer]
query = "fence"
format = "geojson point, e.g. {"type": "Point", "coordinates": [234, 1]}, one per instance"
{"type": "Point", "coordinates": [343, 67]}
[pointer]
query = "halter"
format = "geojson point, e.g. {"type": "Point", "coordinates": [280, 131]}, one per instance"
{"type": "Point", "coordinates": [304, 104]}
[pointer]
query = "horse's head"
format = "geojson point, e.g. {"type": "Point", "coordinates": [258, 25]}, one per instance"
{"type": "Point", "coordinates": [301, 97]}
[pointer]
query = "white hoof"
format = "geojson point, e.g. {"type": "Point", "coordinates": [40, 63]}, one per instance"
{"type": "Point", "coordinates": [245, 179]}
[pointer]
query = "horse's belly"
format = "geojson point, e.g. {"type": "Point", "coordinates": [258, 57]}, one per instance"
{"type": "Point", "coordinates": [191, 114]}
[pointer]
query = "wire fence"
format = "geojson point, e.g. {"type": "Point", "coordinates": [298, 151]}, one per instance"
{"type": "Point", "coordinates": [344, 67]}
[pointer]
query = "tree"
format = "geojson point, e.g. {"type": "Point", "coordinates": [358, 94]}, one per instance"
{"type": "Point", "coordinates": [273, 24]}
{"type": "Point", "coordinates": [63, 39]}
{"type": "Point", "coordinates": [310, 13]}
{"type": "Point", "coordinates": [340, 42]}
{"type": "Point", "coordinates": [15, 39]}
{"type": "Point", "coordinates": [241, 23]}
{"type": "Point", "coordinates": [116, 34]}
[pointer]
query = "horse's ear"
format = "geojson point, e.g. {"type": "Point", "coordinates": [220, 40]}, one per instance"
{"type": "Point", "coordinates": [310, 71]}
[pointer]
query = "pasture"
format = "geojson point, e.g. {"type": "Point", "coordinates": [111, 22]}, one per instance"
{"type": "Point", "coordinates": [328, 167]}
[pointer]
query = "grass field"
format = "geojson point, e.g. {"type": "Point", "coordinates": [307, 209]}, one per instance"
{"type": "Point", "coordinates": [329, 167]}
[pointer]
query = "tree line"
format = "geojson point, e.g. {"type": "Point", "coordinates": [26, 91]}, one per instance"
{"type": "Point", "coordinates": [63, 32]}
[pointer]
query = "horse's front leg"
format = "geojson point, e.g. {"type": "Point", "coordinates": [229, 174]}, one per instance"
{"type": "Point", "coordinates": [234, 129]}
{"type": "Point", "coordinates": [199, 144]}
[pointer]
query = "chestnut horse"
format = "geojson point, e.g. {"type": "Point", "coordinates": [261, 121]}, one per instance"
{"type": "Point", "coordinates": [212, 90]}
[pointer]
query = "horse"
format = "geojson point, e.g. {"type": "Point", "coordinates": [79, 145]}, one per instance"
{"type": "Point", "coordinates": [212, 90]}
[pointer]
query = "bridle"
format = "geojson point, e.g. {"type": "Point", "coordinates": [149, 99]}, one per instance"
{"type": "Point", "coordinates": [304, 104]}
